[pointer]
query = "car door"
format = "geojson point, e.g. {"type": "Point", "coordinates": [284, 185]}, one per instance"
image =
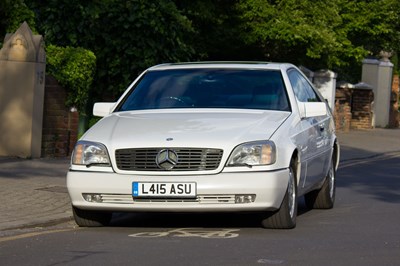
{"type": "Point", "coordinates": [315, 130]}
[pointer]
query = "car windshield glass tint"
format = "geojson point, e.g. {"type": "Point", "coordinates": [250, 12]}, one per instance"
{"type": "Point", "coordinates": [208, 88]}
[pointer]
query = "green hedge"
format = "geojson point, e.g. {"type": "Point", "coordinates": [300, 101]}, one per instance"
{"type": "Point", "coordinates": [74, 69]}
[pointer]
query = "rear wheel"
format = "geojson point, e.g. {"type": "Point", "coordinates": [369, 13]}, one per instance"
{"type": "Point", "coordinates": [323, 198]}
{"type": "Point", "coordinates": [285, 217]}
{"type": "Point", "coordinates": [87, 218]}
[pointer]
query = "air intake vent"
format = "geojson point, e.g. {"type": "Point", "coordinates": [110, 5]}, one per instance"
{"type": "Point", "coordinates": [189, 159]}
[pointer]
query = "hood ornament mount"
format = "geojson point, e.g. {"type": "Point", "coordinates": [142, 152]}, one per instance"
{"type": "Point", "coordinates": [167, 159]}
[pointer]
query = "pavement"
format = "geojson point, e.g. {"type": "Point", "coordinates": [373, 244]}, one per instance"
{"type": "Point", "coordinates": [33, 191]}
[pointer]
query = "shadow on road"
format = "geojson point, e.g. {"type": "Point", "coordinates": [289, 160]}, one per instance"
{"type": "Point", "coordinates": [186, 220]}
{"type": "Point", "coordinates": [377, 176]}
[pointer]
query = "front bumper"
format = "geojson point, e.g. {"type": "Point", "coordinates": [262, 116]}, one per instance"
{"type": "Point", "coordinates": [215, 193]}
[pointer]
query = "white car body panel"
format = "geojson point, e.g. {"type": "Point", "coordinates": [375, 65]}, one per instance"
{"type": "Point", "coordinates": [269, 188]}
{"type": "Point", "coordinates": [223, 129]}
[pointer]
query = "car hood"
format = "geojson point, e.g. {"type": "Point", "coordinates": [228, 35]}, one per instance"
{"type": "Point", "coordinates": [209, 128]}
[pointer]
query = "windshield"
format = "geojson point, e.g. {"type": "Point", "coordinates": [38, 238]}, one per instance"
{"type": "Point", "coordinates": [208, 88]}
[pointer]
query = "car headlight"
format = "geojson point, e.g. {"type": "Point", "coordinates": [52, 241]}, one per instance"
{"type": "Point", "coordinates": [253, 153]}
{"type": "Point", "coordinates": [90, 153]}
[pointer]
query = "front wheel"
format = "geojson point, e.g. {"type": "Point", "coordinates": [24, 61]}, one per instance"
{"type": "Point", "coordinates": [88, 218]}
{"type": "Point", "coordinates": [285, 217]}
{"type": "Point", "coordinates": [323, 198]}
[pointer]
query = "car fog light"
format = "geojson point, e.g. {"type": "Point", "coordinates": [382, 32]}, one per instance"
{"type": "Point", "coordinates": [245, 198]}
{"type": "Point", "coordinates": [93, 197]}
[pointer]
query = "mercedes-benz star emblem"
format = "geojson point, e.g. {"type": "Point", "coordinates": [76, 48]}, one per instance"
{"type": "Point", "coordinates": [167, 159]}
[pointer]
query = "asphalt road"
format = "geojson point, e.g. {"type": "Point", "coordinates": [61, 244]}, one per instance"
{"type": "Point", "coordinates": [362, 229]}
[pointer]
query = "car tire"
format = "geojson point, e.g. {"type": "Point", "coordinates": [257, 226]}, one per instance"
{"type": "Point", "coordinates": [87, 218]}
{"type": "Point", "coordinates": [285, 217]}
{"type": "Point", "coordinates": [323, 198]}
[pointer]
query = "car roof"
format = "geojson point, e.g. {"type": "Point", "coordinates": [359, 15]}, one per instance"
{"type": "Point", "coordinates": [224, 64]}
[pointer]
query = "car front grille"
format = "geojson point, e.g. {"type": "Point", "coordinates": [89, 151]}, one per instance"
{"type": "Point", "coordinates": [188, 159]}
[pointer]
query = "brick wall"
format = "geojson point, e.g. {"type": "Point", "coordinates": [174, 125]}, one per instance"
{"type": "Point", "coordinates": [361, 109]}
{"type": "Point", "coordinates": [60, 126]}
{"type": "Point", "coordinates": [394, 116]}
{"type": "Point", "coordinates": [353, 108]}
{"type": "Point", "coordinates": [342, 109]}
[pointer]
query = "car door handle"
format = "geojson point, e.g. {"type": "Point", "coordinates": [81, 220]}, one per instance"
{"type": "Point", "coordinates": [321, 127]}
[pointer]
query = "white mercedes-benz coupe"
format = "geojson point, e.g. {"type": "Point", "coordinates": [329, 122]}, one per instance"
{"type": "Point", "coordinates": [208, 137]}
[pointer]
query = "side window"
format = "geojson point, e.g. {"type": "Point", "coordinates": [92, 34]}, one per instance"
{"type": "Point", "coordinates": [301, 88]}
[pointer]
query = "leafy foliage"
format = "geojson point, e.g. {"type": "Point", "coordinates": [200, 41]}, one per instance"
{"type": "Point", "coordinates": [12, 14]}
{"type": "Point", "coordinates": [126, 36]}
{"type": "Point", "coordinates": [216, 29]}
{"type": "Point", "coordinates": [337, 32]}
{"type": "Point", "coordinates": [74, 69]}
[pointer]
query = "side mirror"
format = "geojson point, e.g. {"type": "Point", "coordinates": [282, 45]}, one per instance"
{"type": "Point", "coordinates": [312, 109]}
{"type": "Point", "coordinates": [102, 109]}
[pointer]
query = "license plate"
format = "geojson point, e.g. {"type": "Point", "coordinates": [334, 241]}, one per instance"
{"type": "Point", "coordinates": [167, 189]}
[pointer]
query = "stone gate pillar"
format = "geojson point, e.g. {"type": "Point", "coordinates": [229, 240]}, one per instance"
{"type": "Point", "coordinates": [325, 81]}
{"type": "Point", "coordinates": [22, 72]}
{"type": "Point", "coordinates": [378, 73]}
